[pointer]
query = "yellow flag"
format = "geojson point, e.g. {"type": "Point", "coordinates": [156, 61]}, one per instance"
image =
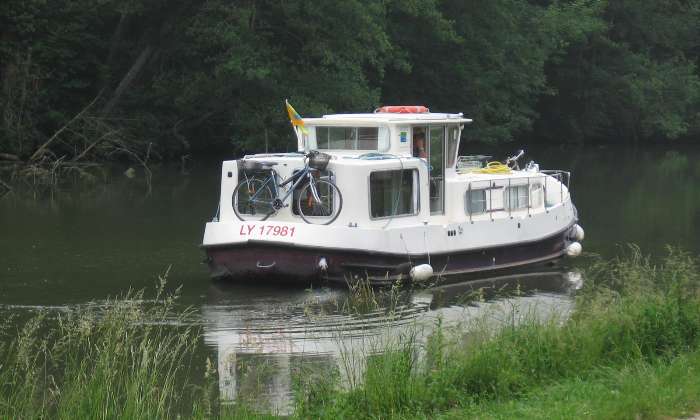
{"type": "Point", "coordinates": [295, 118]}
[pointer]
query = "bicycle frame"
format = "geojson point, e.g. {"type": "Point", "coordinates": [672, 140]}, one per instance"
{"type": "Point", "coordinates": [306, 172]}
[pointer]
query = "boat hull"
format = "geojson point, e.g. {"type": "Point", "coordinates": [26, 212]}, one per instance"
{"type": "Point", "coordinates": [290, 263]}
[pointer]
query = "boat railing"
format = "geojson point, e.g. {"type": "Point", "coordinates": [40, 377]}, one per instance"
{"type": "Point", "coordinates": [562, 178]}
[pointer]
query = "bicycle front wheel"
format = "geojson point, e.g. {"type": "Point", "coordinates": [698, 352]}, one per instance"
{"type": "Point", "coordinates": [252, 200]}
{"type": "Point", "coordinates": [323, 207]}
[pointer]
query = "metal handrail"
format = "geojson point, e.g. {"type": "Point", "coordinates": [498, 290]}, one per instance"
{"type": "Point", "coordinates": [563, 177]}
{"type": "Point", "coordinates": [560, 176]}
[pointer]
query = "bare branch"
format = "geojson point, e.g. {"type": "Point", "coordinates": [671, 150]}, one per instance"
{"type": "Point", "coordinates": [6, 186]}
{"type": "Point", "coordinates": [128, 78]}
{"type": "Point", "coordinates": [93, 144]}
{"type": "Point", "coordinates": [10, 157]}
{"type": "Point", "coordinates": [43, 147]}
{"type": "Point", "coordinates": [135, 156]}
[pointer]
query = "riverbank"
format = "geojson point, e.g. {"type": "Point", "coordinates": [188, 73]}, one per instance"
{"type": "Point", "coordinates": [633, 320]}
{"type": "Point", "coordinates": [662, 389]}
{"type": "Point", "coordinates": [629, 348]}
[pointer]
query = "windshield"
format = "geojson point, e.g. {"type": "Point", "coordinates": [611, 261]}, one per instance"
{"type": "Point", "coordinates": [350, 138]}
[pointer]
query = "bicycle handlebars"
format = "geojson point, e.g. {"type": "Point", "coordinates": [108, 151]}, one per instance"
{"type": "Point", "coordinates": [512, 161]}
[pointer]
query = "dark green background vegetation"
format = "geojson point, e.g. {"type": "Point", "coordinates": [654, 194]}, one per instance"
{"type": "Point", "coordinates": [175, 77]}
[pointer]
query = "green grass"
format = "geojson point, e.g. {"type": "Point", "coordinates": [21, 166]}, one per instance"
{"type": "Point", "coordinates": [629, 349]}
{"type": "Point", "coordinates": [631, 313]}
{"type": "Point", "coordinates": [641, 390]}
{"type": "Point", "coordinates": [124, 359]}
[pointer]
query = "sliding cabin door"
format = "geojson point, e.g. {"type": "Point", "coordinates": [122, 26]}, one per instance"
{"type": "Point", "coordinates": [436, 157]}
{"type": "Point", "coordinates": [428, 142]}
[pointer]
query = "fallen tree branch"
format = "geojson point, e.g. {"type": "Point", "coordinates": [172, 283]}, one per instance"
{"type": "Point", "coordinates": [55, 135]}
{"type": "Point", "coordinates": [93, 144]}
{"type": "Point", "coordinates": [9, 157]}
{"type": "Point", "coordinates": [128, 79]}
{"type": "Point", "coordinates": [6, 186]}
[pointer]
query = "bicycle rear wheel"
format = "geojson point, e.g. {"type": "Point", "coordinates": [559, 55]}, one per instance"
{"type": "Point", "coordinates": [252, 200]}
{"type": "Point", "coordinates": [324, 210]}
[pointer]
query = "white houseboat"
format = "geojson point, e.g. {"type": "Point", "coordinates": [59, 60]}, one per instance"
{"type": "Point", "coordinates": [385, 196]}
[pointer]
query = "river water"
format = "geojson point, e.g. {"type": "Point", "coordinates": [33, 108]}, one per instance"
{"type": "Point", "coordinates": [80, 245]}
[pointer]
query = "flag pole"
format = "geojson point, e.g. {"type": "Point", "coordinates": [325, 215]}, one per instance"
{"type": "Point", "coordinates": [297, 125]}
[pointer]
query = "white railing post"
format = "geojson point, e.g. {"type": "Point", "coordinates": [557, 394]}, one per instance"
{"type": "Point", "coordinates": [492, 184]}
{"type": "Point", "coordinates": [546, 209]}
{"type": "Point", "coordinates": [529, 197]}
{"type": "Point", "coordinates": [510, 203]}
{"type": "Point", "coordinates": [561, 188]}
{"type": "Point", "coordinates": [469, 201]}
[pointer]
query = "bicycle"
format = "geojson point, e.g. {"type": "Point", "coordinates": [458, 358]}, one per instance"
{"type": "Point", "coordinates": [319, 200]}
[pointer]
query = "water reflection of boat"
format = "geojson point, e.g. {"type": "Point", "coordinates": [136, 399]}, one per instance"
{"type": "Point", "coordinates": [398, 197]}
{"type": "Point", "coordinates": [541, 280]}
{"type": "Point", "coordinates": [263, 337]}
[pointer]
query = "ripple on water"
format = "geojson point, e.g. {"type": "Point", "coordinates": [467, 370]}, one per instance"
{"type": "Point", "coordinates": [262, 337]}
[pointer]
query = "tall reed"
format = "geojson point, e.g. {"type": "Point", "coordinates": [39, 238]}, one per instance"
{"type": "Point", "coordinates": [126, 358]}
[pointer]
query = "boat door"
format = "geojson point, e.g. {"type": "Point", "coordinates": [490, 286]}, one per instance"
{"type": "Point", "coordinates": [429, 144]}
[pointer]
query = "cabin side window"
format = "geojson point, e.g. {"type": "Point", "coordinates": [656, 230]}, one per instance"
{"type": "Point", "coordinates": [452, 144]}
{"type": "Point", "coordinates": [476, 201]}
{"type": "Point", "coordinates": [536, 195]}
{"type": "Point", "coordinates": [393, 193]}
{"type": "Point", "coordinates": [515, 197]}
{"type": "Point", "coordinates": [350, 138]}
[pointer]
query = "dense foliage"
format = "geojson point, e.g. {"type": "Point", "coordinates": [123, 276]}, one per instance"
{"type": "Point", "coordinates": [178, 76]}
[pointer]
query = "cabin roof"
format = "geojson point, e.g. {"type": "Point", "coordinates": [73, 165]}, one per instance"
{"type": "Point", "coordinates": [389, 117]}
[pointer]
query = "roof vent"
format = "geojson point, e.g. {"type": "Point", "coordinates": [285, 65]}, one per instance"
{"type": "Point", "coordinates": [402, 109]}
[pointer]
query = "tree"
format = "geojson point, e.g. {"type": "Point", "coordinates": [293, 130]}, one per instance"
{"type": "Point", "coordinates": [634, 78]}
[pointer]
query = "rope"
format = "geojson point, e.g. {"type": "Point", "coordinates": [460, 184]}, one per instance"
{"type": "Point", "coordinates": [494, 168]}
{"type": "Point", "coordinates": [216, 216]}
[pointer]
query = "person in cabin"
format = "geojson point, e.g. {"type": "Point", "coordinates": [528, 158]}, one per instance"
{"type": "Point", "coordinates": [419, 147]}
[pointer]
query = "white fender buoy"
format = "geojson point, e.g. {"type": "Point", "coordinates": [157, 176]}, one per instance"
{"type": "Point", "coordinates": [323, 264]}
{"type": "Point", "coordinates": [574, 249]}
{"type": "Point", "coordinates": [577, 233]}
{"type": "Point", "coordinates": [575, 279]}
{"type": "Point", "coordinates": [421, 272]}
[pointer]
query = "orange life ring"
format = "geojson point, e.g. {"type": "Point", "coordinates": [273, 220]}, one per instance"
{"type": "Point", "coordinates": [403, 109]}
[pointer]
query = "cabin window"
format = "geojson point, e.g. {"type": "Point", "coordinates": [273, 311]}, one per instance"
{"type": "Point", "coordinates": [342, 138]}
{"type": "Point", "coordinates": [452, 144]}
{"type": "Point", "coordinates": [367, 138]}
{"type": "Point", "coordinates": [420, 146]}
{"type": "Point", "coordinates": [393, 193]}
{"type": "Point", "coordinates": [476, 201]}
{"type": "Point", "coordinates": [516, 197]}
{"type": "Point", "coordinates": [536, 195]}
{"type": "Point", "coordinates": [351, 138]}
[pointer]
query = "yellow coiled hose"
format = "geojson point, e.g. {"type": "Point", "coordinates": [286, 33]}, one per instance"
{"type": "Point", "coordinates": [494, 168]}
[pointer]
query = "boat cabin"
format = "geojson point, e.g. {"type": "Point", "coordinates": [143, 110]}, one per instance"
{"type": "Point", "coordinates": [406, 132]}
{"type": "Point", "coordinates": [400, 163]}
